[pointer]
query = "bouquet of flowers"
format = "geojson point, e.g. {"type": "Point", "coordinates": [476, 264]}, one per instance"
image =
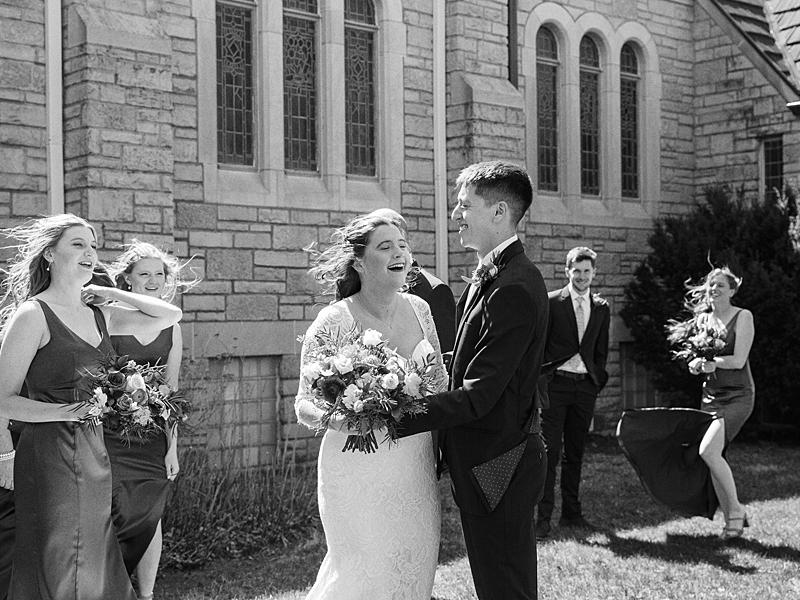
{"type": "Point", "coordinates": [133, 400]}
{"type": "Point", "coordinates": [700, 336]}
{"type": "Point", "coordinates": [360, 381]}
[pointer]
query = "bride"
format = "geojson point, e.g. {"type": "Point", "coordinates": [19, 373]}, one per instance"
{"type": "Point", "coordinates": [380, 511]}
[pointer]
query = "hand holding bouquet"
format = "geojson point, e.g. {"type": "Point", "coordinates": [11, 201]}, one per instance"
{"type": "Point", "coordinates": [131, 399]}
{"type": "Point", "coordinates": [700, 337]}
{"type": "Point", "coordinates": [363, 384]}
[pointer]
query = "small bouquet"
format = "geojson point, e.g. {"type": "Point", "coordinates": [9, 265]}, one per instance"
{"type": "Point", "coordinates": [700, 336]}
{"type": "Point", "coordinates": [369, 386]}
{"type": "Point", "coordinates": [132, 400]}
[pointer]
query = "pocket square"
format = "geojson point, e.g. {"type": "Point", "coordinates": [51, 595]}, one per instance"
{"type": "Point", "coordinates": [494, 475]}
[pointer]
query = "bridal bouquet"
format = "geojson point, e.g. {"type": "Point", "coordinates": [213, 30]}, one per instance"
{"type": "Point", "coordinates": [700, 336]}
{"type": "Point", "coordinates": [359, 380]}
{"type": "Point", "coordinates": [132, 400]}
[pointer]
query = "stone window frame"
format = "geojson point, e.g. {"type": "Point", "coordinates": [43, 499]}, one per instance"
{"type": "Point", "coordinates": [568, 205]}
{"type": "Point", "coordinates": [269, 184]}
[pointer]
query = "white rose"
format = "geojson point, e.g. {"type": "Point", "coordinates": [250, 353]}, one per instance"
{"type": "Point", "coordinates": [312, 371]}
{"type": "Point", "coordinates": [371, 337]}
{"type": "Point", "coordinates": [351, 395]}
{"type": "Point", "coordinates": [390, 381]}
{"type": "Point", "coordinates": [349, 351]}
{"type": "Point", "coordinates": [413, 381]}
{"type": "Point", "coordinates": [135, 382]}
{"type": "Point", "coordinates": [343, 364]}
{"type": "Point", "coordinates": [358, 406]}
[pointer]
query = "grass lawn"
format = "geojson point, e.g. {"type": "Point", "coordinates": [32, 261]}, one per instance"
{"type": "Point", "coordinates": [640, 550]}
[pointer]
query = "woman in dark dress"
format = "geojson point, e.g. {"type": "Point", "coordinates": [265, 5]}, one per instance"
{"type": "Point", "coordinates": [65, 547]}
{"type": "Point", "coordinates": [142, 470]}
{"type": "Point", "coordinates": [728, 391]}
{"type": "Point", "coordinates": [678, 453]}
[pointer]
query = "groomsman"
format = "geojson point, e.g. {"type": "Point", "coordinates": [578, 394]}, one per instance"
{"type": "Point", "coordinates": [574, 363]}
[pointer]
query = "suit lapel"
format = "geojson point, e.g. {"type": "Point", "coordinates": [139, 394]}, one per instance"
{"type": "Point", "coordinates": [462, 309]}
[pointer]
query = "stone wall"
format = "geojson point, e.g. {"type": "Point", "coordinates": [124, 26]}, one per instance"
{"type": "Point", "coordinates": [735, 107]}
{"type": "Point", "coordinates": [23, 135]}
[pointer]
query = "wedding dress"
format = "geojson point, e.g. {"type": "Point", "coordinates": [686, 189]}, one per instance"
{"type": "Point", "coordinates": [380, 511]}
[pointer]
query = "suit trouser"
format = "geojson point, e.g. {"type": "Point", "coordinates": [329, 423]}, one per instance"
{"type": "Point", "coordinates": [501, 545]}
{"type": "Point", "coordinates": [565, 425]}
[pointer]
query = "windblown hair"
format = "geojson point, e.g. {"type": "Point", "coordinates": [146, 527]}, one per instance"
{"type": "Point", "coordinates": [174, 269]}
{"type": "Point", "coordinates": [28, 272]}
{"type": "Point", "coordinates": [333, 268]}
{"type": "Point", "coordinates": [697, 296]}
{"type": "Point", "coordinates": [497, 180]}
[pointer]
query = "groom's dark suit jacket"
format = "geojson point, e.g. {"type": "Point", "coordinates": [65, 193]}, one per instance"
{"type": "Point", "coordinates": [562, 336]}
{"type": "Point", "coordinates": [493, 376]}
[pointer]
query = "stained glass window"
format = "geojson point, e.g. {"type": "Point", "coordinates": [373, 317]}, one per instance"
{"type": "Point", "coordinates": [590, 116]}
{"type": "Point", "coordinates": [773, 166]}
{"type": "Point", "coordinates": [629, 121]}
{"type": "Point", "coordinates": [235, 117]}
{"type": "Point", "coordinates": [359, 65]}
{"type": "Point", "coordinates": [547, 109]}
{"type": "Point", "coordinates": [300, 84]}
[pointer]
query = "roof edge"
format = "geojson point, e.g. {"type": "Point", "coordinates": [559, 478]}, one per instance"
{"type": "Point", "coordinates": [777, 78]}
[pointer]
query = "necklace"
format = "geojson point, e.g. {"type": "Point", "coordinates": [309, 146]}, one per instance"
{"type": "Point", "coordinates": [393, 311]}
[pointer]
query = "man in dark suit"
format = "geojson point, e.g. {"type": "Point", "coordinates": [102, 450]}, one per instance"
{"type": "Point", "coordinates": [488, 421]}
{"type": "Point", "coordinates": [430, 288]}
{"type": "Point", "coordinates": [575, 366]}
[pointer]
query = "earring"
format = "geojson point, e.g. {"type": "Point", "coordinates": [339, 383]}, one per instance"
{"type": "Point", "coordinates": [47, 268]}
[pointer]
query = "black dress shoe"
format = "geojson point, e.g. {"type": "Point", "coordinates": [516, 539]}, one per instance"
{"type": "Point", "coordinates": [543, 530]}
{"type": "Point", "coordinates": [577, 523]}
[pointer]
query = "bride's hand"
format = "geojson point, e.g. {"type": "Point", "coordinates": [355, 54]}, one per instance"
{"type": "Point", "coordinates": [338, 423]}
{"type": "Point", "coordinates": [695, 366]}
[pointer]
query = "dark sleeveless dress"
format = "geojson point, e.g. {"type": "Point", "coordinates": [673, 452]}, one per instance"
{"type": "Point", "coordinates": [138, 471]}
{"type": "Point", "coordinates": [730, 393]}
{"type": "Point", "coordinates": [663, 444]}
{"type": "Point", "coordinates": [66, 547]}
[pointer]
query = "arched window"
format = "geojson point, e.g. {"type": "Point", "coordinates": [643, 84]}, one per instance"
{"type": "Point", "coordinates": [547, 109]}
{"type": "Point", "coordinates": [359, 67]}
{"type": "Point", "coordinates": [300, 65]}
{"type": "Point", "coordinates": [629, 120]}
{"type": "Point", "coordinates": [235, 116]}
{"type": "Point", "coordinates": [590, 116]}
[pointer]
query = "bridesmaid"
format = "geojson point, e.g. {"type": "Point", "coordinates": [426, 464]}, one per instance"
{"type": "Point", "coordinates": [142, 471]}
{"type": "Point", "coordinates": [65, 546]}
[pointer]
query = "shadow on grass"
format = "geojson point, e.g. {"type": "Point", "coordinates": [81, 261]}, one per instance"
{"type": "Point", "coordinates": [686, 549]}
{"type": "Point", "coordinates": [708, 549]}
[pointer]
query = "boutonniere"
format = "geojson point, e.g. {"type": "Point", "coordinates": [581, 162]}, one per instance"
{"type": "Point", "coordinates": [598, 300]}
{"type": "Point", "coordinates": [485, 273]}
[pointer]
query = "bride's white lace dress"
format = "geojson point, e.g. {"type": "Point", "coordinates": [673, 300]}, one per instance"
{"type": "Point", "coordinates": [380, 511]}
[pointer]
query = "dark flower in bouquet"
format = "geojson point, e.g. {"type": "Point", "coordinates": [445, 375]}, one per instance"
{"type": "Point", "coordinates": [700, 336]}
{"type": "Point", "coordinates": [366, 385]}
{"type": "Point", "coordinates": [132, 400]}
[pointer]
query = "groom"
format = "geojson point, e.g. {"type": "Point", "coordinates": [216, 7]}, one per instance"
{"type": "Point", "coordinates": [488, 421]}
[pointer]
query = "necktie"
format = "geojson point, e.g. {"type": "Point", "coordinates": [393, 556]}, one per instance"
{"type": "Point", "coordinates": [580, 317]}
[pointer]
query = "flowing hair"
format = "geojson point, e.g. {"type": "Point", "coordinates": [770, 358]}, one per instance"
{"type": "Point", "coordinates": [333, 268]}
{"type": "Point", "coordinates": [697, 296]}
{"type": "Point", "coordinates": [28, 273]}
{"type": "Point", "coordinates": [175, 278]}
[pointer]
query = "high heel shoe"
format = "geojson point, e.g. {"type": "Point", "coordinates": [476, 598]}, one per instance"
{"type": "Point", "coordinates": [731, 531]}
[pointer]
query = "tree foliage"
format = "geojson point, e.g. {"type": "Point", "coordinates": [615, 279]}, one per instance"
{"type": "Point", "coordinates": [758, 241]}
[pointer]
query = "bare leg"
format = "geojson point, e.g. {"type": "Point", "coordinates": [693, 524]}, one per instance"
{"type": "Point", "coordinates": [721, 476]}
{"type": "Point", "coordinates": [147, 568]}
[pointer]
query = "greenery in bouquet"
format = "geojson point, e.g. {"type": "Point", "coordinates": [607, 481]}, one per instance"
{"type": "Point", "coordinates": [132, 400]}
{"type": "Point", "coordinates": [700, 336]}
{"type": "Point", "coordinates": [366, 386]}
